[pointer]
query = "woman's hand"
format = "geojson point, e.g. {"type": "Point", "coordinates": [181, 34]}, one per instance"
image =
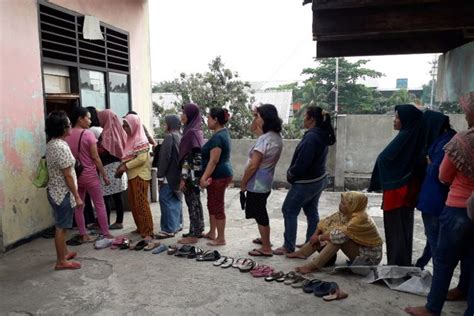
{"type": "Point", "coordinates": [203, 183]}
{"type": "Point", "coordinates": [106, 180]}
{"type": "Point", "coordinates": [182, 185]}
{"type": "Point", "coordinates": [314, 240]}
{"type": "Point", "coordinates": [79, 202]}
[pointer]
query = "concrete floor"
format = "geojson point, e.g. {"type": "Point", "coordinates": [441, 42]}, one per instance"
{"type": "Point", "coordinates": [140, 283]}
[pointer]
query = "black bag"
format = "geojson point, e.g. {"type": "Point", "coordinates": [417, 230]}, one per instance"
{"type": "Point", "coordinates": [78, 166]}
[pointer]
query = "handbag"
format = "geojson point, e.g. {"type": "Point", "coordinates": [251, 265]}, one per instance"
{"type": "Point", "coordinates": [78, 166]}
{"type": "Point", "coordinates": [42, 176]}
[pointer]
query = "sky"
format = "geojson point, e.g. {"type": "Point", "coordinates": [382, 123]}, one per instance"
{"type": "Point", "coordinates": [263, 40]}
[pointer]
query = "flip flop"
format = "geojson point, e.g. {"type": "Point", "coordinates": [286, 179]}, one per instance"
{"type": "Point", "coordinates": [219, 261]}
{"type": "Point", "coordinates": [299, 282]}
{"type": "Point", "coordinates": [227, 263]}
{"type": "Point", "coordinates": [171, 250]}
{"type": "Point", "coordinates": [159, 249]}
{"type": "Point", "coordinates": [274, 276]}
{"type": "Point", "coordinates": [310, 285]}
{"type": "Point", "coordinates": [262, 271]}
{"type": "Point", "coordinates": [74, 241]}
{"type": "Point", "coordinates": [118, 241]}
{"type": "Point", "coordinates": [325, 288]}
{"type": "Point", "coordinates": [194, 252]}
{"type": "Point", "coordinates": [290, 278]}
{"type": "Point", "coordinates": [125, 244]}
{"type": "Point", "coordinates": [259, 253]}
{"type": "Point", "coordinates": [336, 294]}
{"type": "Point", "coordinates": [141, 244]}
{"type": "Point", "coordinates": [164, 235]}
{"type": "Point", "coordinates": [247, 266]}
{"type": "Point", "coordinates": [258, 241]}
{"type": "Point", "coordinates": [209, 256]}
{"type": "Point", "coordinates": [71, 255]}
{"type": "Point", "coordinates": [71, 265]}
{"type": "Point", "coordinates": [237, 263]}
{"type": "Point", "coordinates": [152, 245]}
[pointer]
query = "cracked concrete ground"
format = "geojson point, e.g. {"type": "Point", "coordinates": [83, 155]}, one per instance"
{"type": "Point", "coordinates": [139, 283]}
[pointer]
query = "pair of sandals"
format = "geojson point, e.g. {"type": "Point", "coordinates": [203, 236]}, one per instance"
{"type": "Point", "coordinates": [139, 245]}
{"type": "Point", "coordinates": [329, 291]}
{"type": "Point", "coordinates": [244, 264]}
{"type": "Point", "coordinates": [210, 255]}
{"type": "Point", "coordinates": [224, 262]}
{"type": "Point", "coordinates": [262, 271]}
{"type": "Point", "coordinates": [188, 251]}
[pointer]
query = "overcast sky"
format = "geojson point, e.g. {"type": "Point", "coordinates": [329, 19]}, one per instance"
{"type": "Point", "coordinates": [263, 40]}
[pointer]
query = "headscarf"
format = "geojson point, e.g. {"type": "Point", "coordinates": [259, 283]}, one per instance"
{"type": "Point", "coordinates": [460, 149]}
{"type": "Point", "coordinates": [395, 164]}
{"type": "Point", "coordinates": [137, 142]}
{"type": "Point", "coordinates": [356, 224]}
{"type": "Point", "coordinates": [113, 136]}
{"type": "Point", "coordinates": [192, 133]}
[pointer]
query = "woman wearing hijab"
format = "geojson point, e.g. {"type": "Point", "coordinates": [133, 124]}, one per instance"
{"type": "Point", "coordinates": [111, 148]}
{"type": "Point", "coordinates": [136, 162]}
{"type": "Point", "coordinates": [399, 171]}
{"type": "Point", "coordinates": [351, 230]}
{"type": "Point", "coordinates": [169, 179]}
{"type": "Point", "coordinates": [456, 231]}
{"type": "Point", "coordinates": [190, 164]}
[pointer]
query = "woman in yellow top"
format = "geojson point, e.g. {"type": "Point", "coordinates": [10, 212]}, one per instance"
{"type": "Point", "coordinates": [351, 230]}
{"type": "Point", "coordinates": [136, 162]}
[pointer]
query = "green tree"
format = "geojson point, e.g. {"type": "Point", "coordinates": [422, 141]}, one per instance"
{"type": "Point", "coordinates": [160, 114]}
{"type": "Point", "coordinates": [218, 87]}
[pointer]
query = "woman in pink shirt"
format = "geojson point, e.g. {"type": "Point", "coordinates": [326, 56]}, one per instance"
{"type": "Point", "coordinates": [456, 235]}
{"type": "Point", "coordinates": [83, 146]}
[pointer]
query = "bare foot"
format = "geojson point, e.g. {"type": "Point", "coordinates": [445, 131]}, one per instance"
{"type": "Point", "coordinates": [418, 311]}
{"type": "Point", "coordinates": [71, 255]}
{"type": "Point", "coordinates": [209, 236]}
{"type": "Point", "coordinates": [216, 243]}
{"type": "Point", "coordinates": [280, 251]}
{"type": "Point", "coordinates": [88, 238]}
{"type": "Point", "coordinates": [300, 245]}
{"type": "Point", "coordinates": [188, 240]}
{"type": "Point", "coordinates": [148, 237]}
{"type": "Point", "coordinates": [295, 255]}
{"type": "Point", "coordinates": [305, 269]}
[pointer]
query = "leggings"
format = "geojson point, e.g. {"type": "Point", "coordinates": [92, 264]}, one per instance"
{"type": "Point", "coordinates": [196, 217]}
{"type": "Point", "coordinates": [138, 199]}
{"type": "Point", "coordinates": [118, 202]}
{"type": "Point", "coordinates": [95, 192]}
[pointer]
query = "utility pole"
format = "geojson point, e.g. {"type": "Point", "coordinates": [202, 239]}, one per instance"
{"type": "Point", "coordinates": [433, 73]}
{"type": "Point", "coordinates": [336, 93]}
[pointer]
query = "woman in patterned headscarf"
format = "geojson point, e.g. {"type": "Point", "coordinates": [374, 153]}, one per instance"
{"type": "Point", "coordinates": [351, 230]}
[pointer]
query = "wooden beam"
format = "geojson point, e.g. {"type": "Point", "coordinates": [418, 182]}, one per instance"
{"type": "Point", "coordinates": [347, 4]}
{"type": "Point", "coordinates": [373, 21]}
{"type": "Point", "coordinates": [385, 47]}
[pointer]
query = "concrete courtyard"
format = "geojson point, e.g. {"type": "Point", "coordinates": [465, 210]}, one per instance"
{"type": "Point", "coordinates": [139, 283]}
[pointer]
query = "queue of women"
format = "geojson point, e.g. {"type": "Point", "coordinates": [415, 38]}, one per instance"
{"type": "Point", "coordinates": [427, 166]}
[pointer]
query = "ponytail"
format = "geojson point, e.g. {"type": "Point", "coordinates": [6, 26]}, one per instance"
{"type": "Point", "coordinates": [323, 121]}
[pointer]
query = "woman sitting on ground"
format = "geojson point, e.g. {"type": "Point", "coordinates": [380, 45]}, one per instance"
{"type": "Point", "coordinates": [351, 229]}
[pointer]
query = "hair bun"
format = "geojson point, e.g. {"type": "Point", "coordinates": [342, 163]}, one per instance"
{"type": "Point", "coordinates": [226, 115]}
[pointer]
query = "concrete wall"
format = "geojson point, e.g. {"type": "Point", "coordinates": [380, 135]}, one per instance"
{"type": "Point", "coordinates": [24, 210]}
{"type": "Point", "coordinates": [455, 73]}
{"type": "Point", "coordinates": [360, 139]}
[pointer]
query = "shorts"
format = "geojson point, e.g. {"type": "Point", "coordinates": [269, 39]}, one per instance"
{"type": "Point", "coordinates": [256, 207]}
{"type": "Point", "coordinates": [63, 213]}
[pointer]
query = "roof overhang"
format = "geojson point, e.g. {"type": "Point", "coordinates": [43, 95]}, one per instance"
{"type": "Point", "coordinates": [388, 27]}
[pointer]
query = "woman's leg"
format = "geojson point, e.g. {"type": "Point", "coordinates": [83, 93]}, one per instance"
{"type": "Point", "coordinates": [60, 244]}
{"type": "Point", "coordinates": [118, 201]}
{"type": "Point", "coordinates": [164, 199]}
{"type": "Point", "coordinates": [350, 249]}
{"type": "Point", "coordinates": [143, 206]}
{"type": "Point", "coordinates": [95, 191]}
{"type": "Point", "coordinates": [196, 217]}
{"type": "Point", "coordinates": [310, 209]}
{"type": "Point", "coordinates": [79, 214]}
{"type": "Point", "coordinates": [321, 259]}
{"type": "Point", "coordinates": [108, 206]}
{"type": "Point", "coordinates": [218, 209]}
{"type": "Point", "coordinates": [132, 188]}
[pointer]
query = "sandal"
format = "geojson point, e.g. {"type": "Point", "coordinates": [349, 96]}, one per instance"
{"type": "Point", "coordinates": [171, 250]}
{"type": "Point", "coordinates": [74, 241]}
{"type": "Point", "coordinates": [309, 286]}
{"type": "Point", "coordinates": [70, 265]}
{"type": "Point", "coordinates": [227, 263]}
{"type": "Point", "coordinates": [164, 235]}
{"type": "Point", "coordinates": [194, 252]}
{"type": "Point", "coordinates": [298, 282]}
{"type": "Point", "coordinates": [219, 261]}
{"type": "Point", "coordinates": [184, 251]}
{"type": "Point", "coordinates": [152, 245]}
{"type": "Point", "coordinates": [262, 271]}
{"type": "Point", "coordinates": [159, 249]}
{"type": "Point", "coordinates": [258, 241]}
{"type": "Point", "coordinates": [276, 276]}
{"type": "Point", "coordinates": [290, 278]}
{"type": "Point", "coordinates": [248, 265]}
{"type": "Point", "coordinates": [117, 242]}
{"type": "Point", "coordinates": [126, 244]}
{"type": "Point", "coordinates": [259, 253]}
{"type": "Point", "coordinates": [141, 244]}
{"type": "Point", "coordinates": [237, 263]}
{"type": "Point", "coordinates": [335, 294]}
{"type": "Point", "coordinates": [325, 288]}
{"type": "Point", "coordinates": [209, 256]}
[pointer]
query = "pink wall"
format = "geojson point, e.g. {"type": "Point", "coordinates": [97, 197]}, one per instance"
{"type": "Point", "coordinates": [21, 123]}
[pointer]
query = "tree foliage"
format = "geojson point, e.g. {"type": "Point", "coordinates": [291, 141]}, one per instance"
{"type": "Point", "coordinates": [218, 87]}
